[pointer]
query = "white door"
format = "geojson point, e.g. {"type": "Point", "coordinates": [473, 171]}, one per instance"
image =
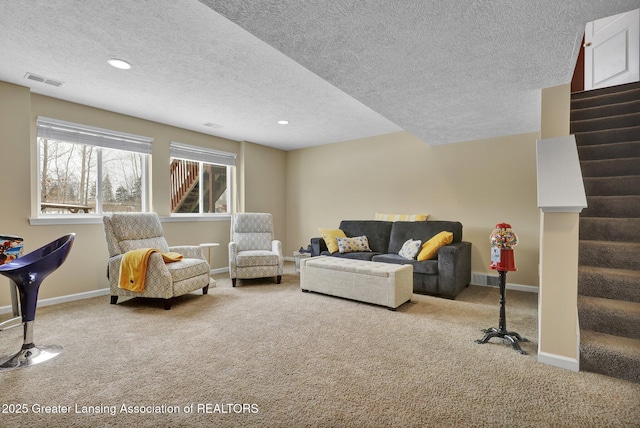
{"type": "Point", "coordinates": [612, 51]}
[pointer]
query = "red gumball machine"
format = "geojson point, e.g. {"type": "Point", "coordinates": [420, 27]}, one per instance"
{"type": "Point", "coordinates": [503, 239]}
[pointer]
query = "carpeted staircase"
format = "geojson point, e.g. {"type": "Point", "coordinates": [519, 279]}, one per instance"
{"type": "Point", "coordinates": [606, 123]}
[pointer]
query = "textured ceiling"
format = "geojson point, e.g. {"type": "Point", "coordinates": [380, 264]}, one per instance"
{"type": "Point", "coordinates": [337, 70]}
{"type": "Point", "coordinates": [445, 71]}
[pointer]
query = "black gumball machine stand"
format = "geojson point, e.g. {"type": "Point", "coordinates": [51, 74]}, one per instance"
{"type": "Point", "coordinates": [503, 239]}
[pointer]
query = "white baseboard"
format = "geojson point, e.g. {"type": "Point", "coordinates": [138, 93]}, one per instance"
{"type": "Point", "coordinates": [516, 287]}
{"type": "Point", "coordinates": [85, 295]}
{"type": "Point", "coordinates": [559, 361]}
{"type": "Point", "coordinates": [81, 296]}
{"type": "Point", "coordinates": [62, 299]}
{"type": "Point", "coordinates": [485, 280]}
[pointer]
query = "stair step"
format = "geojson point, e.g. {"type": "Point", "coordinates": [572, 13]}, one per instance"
{"type": "Point", "coordinates": [605, 123]}
{"type": "Point", "coordinates": [609, 355]}
{"type": "Point", "coordinates": [607, 110]}
{"type": "Point", "coordinates": [626, 206]}
{"type": "Point", "coordinates": [610, 167]}
{"type": "Point", "coordinates": [615, 317]}
{"type": "Point", "coordinates": [610, 229]}
{"type": "Point", "coordinates": [609, 283]}
{"type": "Point", "coordinates": [609, 95]}
{"type": "Point", "coordinates": [629, 149]}
{"type": "Point", "coordinates": [608, 254]}
{"type": "Point", "coordinates": [608, 136]}
{"type": "Point", "coordinates": [612, 186]}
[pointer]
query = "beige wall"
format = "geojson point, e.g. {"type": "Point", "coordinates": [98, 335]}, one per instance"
{"type": "Point", "coordinates": [85, 268]}
{"type": "Point", "coordinates": [479, 183]}
{"type": "Point", "coordinates": [555, 111]}
{"type": "Point", "coordinates": [265, 184]}
{"type": "Point", "coordinates": [557, 302]}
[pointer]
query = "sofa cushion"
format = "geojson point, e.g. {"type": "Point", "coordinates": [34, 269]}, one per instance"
{"type": "Point", "coordinates": [251, 258]}
{"type": "Point", "coordinates": [423, 230]}
{"type": "Point", "coordinates": [350, 245]}
{"type": "Point", "coordinates": [187, 268]}
{"type": "Point", "coordinates": [410, 249]}
{"type": "Point", "coordinates": [430, 248]}
{"type": "Point", "coordinates": [429, 267]}
{"type": "Point", "coordinates": [359, 255]}
{"type": "Point", "coordinates": [330, 238]}
{"type": "Point", "coordinates": [377, 232]}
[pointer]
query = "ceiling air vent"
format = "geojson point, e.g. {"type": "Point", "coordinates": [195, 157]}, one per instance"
{"type": "Point", "coordinates": [43, 79]}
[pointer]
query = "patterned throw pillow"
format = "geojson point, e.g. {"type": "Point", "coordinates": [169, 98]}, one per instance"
{"type": "Point", "coordinates": [410, 248]}
{"type": "Point", "coordinates": [350, 245]}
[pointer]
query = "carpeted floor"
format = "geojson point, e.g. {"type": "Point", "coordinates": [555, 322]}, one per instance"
{"type": "Point", "coordinates": [269, 355]}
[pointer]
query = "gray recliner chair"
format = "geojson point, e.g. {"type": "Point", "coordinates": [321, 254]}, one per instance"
{"type": "Point", "coordinates": [253, 251]}
{"type": "Point", "coordinates": [131, 231]}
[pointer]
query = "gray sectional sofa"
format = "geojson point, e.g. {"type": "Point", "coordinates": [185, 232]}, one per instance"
{"type": "Point", "coordinates": [445, 275]}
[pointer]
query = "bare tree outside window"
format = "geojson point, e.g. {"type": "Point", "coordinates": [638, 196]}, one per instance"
{"type": "Point", "coordinates": [69, 178]}
{"type": "Point", "coordinates": [122, 171]}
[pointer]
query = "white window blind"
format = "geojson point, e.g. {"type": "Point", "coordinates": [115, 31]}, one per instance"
{"type": "Point", "coordinates": [201, 154]}
{"type": "Point", "coordinates": [60, 130]}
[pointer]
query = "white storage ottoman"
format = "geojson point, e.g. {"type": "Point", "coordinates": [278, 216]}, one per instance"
{"type": "Point", "coordinates": [385, 284]}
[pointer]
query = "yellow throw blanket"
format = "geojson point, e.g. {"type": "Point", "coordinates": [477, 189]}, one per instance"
{"type": "Point", "coordinates": [133, 268]}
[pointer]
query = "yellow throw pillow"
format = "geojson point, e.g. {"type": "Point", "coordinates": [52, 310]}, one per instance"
{"type": "Point", "coordinates": [431, 247]}
{"type": "Point", "coordinates": [330, 237]}
{"type": "Point", "coordinates": [401, 217]}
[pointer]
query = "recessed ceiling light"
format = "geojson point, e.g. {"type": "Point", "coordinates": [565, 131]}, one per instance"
{"type": "Point", "coordinates": [119, 63]}
{"type": "Point", "coordinates": [283, 122]}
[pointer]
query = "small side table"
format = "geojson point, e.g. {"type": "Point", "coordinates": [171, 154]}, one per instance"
{"type": "Point", "coordinates": [298, 256]}
{"type": "Point", "coordinates": [208, 245]}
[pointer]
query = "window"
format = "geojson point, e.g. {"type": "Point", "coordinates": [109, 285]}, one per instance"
{"type": "Point", "coordinates": [200, 180]}
{"type": "Point", "coordinates": [83, 169]}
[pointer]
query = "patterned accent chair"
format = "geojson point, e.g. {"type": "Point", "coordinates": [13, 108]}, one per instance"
{"type": "Point", "coordinates": [130, 231]}
{"type": "Point", "coordinates": [253, 253]}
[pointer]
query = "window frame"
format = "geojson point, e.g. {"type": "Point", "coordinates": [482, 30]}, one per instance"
{"type": "Point", "coordinates": [203, 155]}
{"type": "Point", "coordinates": [100, 138]}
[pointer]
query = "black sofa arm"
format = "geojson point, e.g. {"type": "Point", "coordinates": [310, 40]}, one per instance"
{"type": "Point", "coordinates": [454, 268]}
{"type": "Point", "coordinates": [318, 246]}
